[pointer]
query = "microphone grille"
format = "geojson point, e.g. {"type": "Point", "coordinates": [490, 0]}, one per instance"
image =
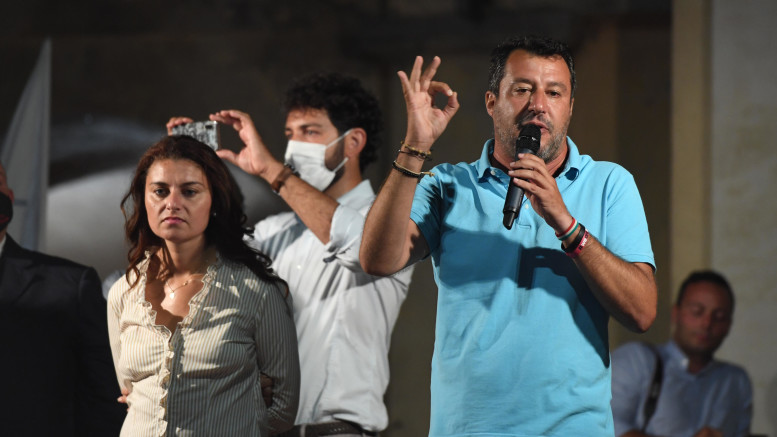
{"type": "Point", "coordinates": [530, 137]}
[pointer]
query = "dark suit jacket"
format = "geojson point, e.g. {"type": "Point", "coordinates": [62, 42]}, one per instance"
{"type": "Point", "coordinates": [56, 370]}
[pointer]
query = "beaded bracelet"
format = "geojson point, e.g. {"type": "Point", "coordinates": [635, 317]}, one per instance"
{"type": "Point", "coordinates": [410, 173]}
{"type": "Point", "coordinates": [426, 156]}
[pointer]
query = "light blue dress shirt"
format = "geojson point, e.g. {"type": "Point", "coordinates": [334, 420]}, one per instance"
{"type": "Point", "coordinates": [344, 317]}
{"type": "Point", "coordinates": [720, 396]}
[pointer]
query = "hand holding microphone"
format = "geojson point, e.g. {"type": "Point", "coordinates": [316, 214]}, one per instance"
{"type": "Point", "coordinates": [528, 142]}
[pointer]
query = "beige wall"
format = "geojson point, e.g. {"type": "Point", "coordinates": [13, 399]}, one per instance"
{"type": "Point", "coordinates": [743, 174]}
{"type": "Point", "coordinates": [724, 171]}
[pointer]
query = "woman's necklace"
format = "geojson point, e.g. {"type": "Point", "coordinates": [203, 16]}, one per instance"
{"type": "Point", "coordinates": [184, 284]}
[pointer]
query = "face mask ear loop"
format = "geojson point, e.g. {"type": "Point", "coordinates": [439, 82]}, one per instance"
{"type": "Point", "coordinates": [336, 140]}
{"type": "Point", "coordinates": [340, 165]}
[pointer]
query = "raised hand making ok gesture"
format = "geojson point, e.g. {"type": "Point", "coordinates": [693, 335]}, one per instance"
{"type": "Point", "coordinates": [425, 122]}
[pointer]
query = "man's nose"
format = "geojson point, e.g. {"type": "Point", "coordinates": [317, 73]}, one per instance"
{"type": "Point", "coordinates": [537, 102]}
{"type": "Point", "coordinates": [706, 321]}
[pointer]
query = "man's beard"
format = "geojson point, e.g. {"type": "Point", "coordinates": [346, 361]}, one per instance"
{"type": "Point", "coordinates": [547, 153]}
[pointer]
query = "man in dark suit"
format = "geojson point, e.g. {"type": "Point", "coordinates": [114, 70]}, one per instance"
{"type": "Point", "coordinates": [56, 371]}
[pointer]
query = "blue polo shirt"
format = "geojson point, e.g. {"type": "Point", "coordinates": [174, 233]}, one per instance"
{"type": "Point", "coordinates": [521, 345]}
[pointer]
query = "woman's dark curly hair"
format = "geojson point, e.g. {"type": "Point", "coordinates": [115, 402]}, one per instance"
{"type": "Point", "coordinates": [347, 104]}
{"type": "Point", "coordinates": [226, 228]}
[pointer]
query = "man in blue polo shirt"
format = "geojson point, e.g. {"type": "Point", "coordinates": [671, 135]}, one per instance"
{"type": "Point", "coordinates": [521, 339]}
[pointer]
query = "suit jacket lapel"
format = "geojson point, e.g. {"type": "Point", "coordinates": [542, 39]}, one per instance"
{"type": "Point", "coordinates": [17, 273]}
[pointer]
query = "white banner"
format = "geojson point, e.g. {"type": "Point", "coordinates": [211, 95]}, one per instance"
{"type": "Point", "coordinates": [25, 155]}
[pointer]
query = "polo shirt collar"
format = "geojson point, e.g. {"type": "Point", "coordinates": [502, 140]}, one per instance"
{"type": "Point", "coordinates": [573, 163]}
{"type": "Point", "coordinates": [570, 171]}
{"type": "Point", "coordinates": [483, 165]}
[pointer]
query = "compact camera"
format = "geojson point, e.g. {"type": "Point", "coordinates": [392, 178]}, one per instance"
{"type": "Point", "coordinates": [203, 131]}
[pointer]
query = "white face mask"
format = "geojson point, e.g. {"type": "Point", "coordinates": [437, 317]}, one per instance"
{"type": "Point", "coordinates": [309, 160]}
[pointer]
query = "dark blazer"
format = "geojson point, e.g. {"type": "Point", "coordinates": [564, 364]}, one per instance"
{"type": "Point", "coordinates": [56, 370]}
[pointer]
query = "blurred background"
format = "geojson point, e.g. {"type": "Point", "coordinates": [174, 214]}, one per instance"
{"type": "Point", "coordinates": [680, 93]}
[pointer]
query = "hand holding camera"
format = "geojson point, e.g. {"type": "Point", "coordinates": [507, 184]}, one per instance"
{"type": "Point", "coordinates": [254, 158]}
{"type": "Point", "coordinates": [204, 131]}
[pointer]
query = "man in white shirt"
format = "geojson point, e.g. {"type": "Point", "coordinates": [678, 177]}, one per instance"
{"type": "Point", "coordinates": [344, 317]}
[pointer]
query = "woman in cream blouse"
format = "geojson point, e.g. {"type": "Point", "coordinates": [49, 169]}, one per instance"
{"type": "Point", "coordinates": [199, 315]}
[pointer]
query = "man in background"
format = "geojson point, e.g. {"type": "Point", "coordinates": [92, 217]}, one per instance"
{"type": "Point", "coordinates": [57, 372]}
{"type": "Point", "coordinates": [678, 388]}
{"type": "Point", "coordinates": [344, 316]}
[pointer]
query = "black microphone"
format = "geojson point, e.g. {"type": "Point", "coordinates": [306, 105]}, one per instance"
{"type": "Point", "coordinates": [528, 142]}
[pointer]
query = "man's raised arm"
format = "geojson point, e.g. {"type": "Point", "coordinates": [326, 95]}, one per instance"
{"type": "Point", "coordinates": [391, 241]}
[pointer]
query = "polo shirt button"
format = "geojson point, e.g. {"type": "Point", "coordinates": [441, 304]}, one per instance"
{"type": "Point", "coordinates": [493, 173]}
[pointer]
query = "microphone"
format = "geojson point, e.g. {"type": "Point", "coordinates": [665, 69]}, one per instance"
{"type": "Point", "coordinates": [528, 142]}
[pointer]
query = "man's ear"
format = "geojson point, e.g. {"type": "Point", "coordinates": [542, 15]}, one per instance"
{"type": "Point", "coordinates": [490, 102]}
{"type": "Point", "coordinates": [355, 142]}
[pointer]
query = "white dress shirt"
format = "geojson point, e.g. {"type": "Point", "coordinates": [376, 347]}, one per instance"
{"type": "Point", "coordinates": [203, 379]}
{"type": "Point", "coordinates": [344, 317]}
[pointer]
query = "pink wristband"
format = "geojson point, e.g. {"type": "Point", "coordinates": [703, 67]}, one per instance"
{"type": "Point", "coordinates": [579, 248]}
